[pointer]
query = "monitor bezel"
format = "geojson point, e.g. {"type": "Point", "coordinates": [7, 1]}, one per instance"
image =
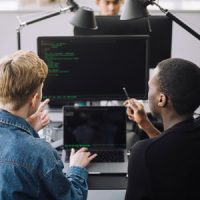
{"type": "Point", "coordinates": [94, 97]}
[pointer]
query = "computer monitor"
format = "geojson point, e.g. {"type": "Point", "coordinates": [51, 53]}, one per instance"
{"type": "Point", "coordinates": [160, 42]}
{"type": "Point", "coordinates": [93, 68]}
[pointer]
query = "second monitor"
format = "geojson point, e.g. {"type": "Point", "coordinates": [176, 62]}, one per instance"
{"type": "Point", "coordinates": [160, 41]}
{"type": "Point", "coordinates": [94, 68]}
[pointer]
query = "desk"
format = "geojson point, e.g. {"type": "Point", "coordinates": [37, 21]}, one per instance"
{"type": "Point", "coordinates": [107, 187]}
{"type": "Point", "coordinates": [106, 195]}
{"type": "Point", "coordinates": [107, 182]}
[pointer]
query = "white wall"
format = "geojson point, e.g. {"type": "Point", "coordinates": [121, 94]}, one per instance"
{"type": "Point", "coordinates": [184, 45]}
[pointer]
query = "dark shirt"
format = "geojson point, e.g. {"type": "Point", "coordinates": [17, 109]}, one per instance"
{"type": "Point", "coordinates": [167, 166]}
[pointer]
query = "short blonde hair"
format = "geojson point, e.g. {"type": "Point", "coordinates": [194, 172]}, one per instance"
{"type": "Point", "coordinates": [21, 74]}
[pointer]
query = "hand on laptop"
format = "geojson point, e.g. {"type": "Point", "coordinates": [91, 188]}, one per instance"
{"type": "Point", "coordinates": [81, 158]}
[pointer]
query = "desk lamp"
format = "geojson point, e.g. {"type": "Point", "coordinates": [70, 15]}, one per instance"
{"type": "Point", "coordinates": [83, 17]}
{"type": "Point", "coordinates": [134, 9]}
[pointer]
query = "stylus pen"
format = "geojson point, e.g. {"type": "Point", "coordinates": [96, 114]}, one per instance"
{"type": "Point", "coordinates": [126, 93]}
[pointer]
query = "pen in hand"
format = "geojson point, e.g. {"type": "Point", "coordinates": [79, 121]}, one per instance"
{"type": "Point", "coordinates": [128, 103]}
{"type": "Point", "coordinates": [126, 93]}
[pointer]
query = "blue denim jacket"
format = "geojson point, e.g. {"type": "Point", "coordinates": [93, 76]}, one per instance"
{"type": "Point", "coordinates": [31, 169]}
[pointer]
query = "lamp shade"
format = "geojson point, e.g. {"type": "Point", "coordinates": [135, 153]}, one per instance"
{"type": "Point", "coordinates": [84, 18]}
{"type": "Point", "coordinates": [134, 9]}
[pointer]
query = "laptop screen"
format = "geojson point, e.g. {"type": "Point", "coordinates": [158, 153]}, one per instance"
{"type": "Point", "coordinates": [95, 127]}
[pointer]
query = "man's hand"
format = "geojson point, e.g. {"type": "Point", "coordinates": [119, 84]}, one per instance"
{"type": "Point", "coordinates": [81, 158]}
{"type": "Point", "coordinates": [40, 118]}
{"type": "Point", "coordinates": [136, 112]}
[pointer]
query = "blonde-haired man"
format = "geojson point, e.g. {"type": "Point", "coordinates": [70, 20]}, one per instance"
{"type": "Point", "coordinates": [29, 167]}
{"type": "Point", "coordinates": [109, 7]}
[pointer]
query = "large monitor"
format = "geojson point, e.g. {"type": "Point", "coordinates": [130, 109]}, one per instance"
{"type": "Point", "coordinates": [160, 35]}
{"type": "Point", "coordinates": [94, 68]}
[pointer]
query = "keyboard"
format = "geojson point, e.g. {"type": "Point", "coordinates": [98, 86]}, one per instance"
{"type": "Point", "coordinates": [104, 156]}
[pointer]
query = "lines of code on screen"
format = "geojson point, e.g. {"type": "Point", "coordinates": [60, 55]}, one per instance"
{"type": "Point", "coordinates": [56, 55]}
{"type": "Point", "coordinates": [94, 68]}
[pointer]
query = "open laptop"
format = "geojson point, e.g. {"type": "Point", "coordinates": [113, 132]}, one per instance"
{"type": "Point", "coordinates": [99, 128]}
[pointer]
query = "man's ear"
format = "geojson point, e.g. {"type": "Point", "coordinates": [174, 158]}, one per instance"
{"type": "Point", "coordinates": [163, 99]}
{"type": "Point", "coordinates": [34, 100]}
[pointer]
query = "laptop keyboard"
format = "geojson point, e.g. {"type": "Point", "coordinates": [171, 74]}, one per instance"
{"type": "Point", "coordinates": [105, 156]}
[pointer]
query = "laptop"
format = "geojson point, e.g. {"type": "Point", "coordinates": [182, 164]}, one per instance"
{"type": "Point", "coordinates": [101, 129]}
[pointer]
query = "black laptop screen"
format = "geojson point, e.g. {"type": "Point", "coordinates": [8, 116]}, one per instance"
{"type": "Point", "coordinates": [94, 127]}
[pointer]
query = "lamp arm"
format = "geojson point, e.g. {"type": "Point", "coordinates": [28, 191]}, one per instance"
{"type": "Point", "coordinates": [178, 21]}
{"type": "Point", "coordinates": [23, 24]}
{"type": "Point", "coordinates": [183, 25]}
{"type": "Point", "coordinates": [55, 13]}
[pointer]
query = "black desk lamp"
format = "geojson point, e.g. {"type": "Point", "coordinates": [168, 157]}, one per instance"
{"type": "Point", "coordinates": [83, 17]}
{"type": "Point", "coordinates": [134, 9]}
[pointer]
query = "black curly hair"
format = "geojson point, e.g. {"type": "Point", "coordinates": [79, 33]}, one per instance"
{"type": "Point", "coordinates": [180, 80]}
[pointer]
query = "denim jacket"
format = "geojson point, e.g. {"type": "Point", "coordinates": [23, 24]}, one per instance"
{"type": "Point", "coordinates": [31, 169]}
